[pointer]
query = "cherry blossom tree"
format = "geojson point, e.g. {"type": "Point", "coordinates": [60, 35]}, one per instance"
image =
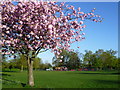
{"type": "Point", "coordinates": [32, 27]}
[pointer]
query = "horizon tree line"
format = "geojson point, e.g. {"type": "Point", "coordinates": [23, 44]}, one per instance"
{"type": "Point", "coordinates": [99, 60]}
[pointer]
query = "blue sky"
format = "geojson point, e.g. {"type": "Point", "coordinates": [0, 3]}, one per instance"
{"type": "Point", "coordinates": [98, 35]}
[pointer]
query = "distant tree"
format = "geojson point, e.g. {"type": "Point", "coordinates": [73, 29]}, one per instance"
{"type": "Point", "coordinates": [112, 58]}
{"type": "Point", "coordinates": [108, 58]}
{"type": "Point", "coordinates": [47, 65]}
{"type": "Point", "coordinates": [94, 61]}
{"type": "Point", "coordinates": [111, 52]}
{"type": "Point", "coordinates": [74, 61]}
{"type": "Point", "coordinates": [98, 59]}
{"type": "Point", "coordinates": [4, 62]}
{"type": "Point", "coordinates": [88, 58]}
{"type": "Point", "coordinates": [105, 59]}
{"type": "Point", "coordinates": [36, 63]}
{"type": "Point", "coordinates": [44, 66]}
{"type": "Point", "coordinates": [116, 63]}
{"type": "Point", "coordinates": [69, 59]}
{"type": "Point", "coordinates": [62, 61]}
{"type": "Point", "coordinates": [21, 61]}
{"type": "Point", "coordinates": [12, 63]}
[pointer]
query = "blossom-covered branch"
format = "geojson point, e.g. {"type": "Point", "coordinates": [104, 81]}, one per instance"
{"type": "Point", "coordinates": [31, 26]}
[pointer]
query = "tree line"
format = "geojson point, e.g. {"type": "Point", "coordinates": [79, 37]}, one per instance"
{"type": "Point", "coordinates": [20, 62]}
{"type": "Point", "coordinates": [98, 60]}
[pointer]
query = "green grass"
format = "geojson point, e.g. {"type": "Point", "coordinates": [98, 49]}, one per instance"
{"type": "Point", "coordinates": [62, 79]}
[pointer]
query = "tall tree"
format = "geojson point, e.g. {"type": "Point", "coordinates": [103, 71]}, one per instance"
{"type": "Point", "coordinates": [98, 58]}
{"type": "Point", "coordinates": [108, 58]}
{"type": "Point", "coordinates": [74, 61]}
{"type": "Point", "coordinates": [63, 59]}
{"type": "Point", "coordinates": [30, 27]}
{"type": "Point", "coordinates": [69, 59]}
{"type": "Point", "coordinates": [88, 58]}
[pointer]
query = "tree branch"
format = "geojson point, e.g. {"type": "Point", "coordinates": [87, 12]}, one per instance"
{"type": "Point", "coordinates": [44, 50]}
{"type": "Point", "coordinates": [37, 51]}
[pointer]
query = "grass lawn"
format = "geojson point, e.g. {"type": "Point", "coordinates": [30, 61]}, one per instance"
{"type": "Point", "coordinates": [62, 79]}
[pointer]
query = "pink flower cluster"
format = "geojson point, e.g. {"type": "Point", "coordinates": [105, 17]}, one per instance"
{"type": "Point", "coordinates": [40, 25]}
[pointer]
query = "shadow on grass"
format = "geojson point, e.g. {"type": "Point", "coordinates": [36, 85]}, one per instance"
{"type": "Point", "coordinates": [109, 82]}
{"type": "Point", "coordinates": [7, 81]}
{"type": "Point", "coordinates": [2, 74]}
{"type": "Point", "coordinates": [10, 71]}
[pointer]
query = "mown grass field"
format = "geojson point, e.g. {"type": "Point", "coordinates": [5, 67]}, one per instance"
{"type": "Point", "coordinates": [62, 79]}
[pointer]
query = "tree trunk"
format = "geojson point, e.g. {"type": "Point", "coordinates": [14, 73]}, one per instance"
{"type": "Point", "coordinates": [30, 72]}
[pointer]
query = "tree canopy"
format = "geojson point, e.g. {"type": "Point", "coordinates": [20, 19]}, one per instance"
{"type": "Point", "coordinates": [30, 26]}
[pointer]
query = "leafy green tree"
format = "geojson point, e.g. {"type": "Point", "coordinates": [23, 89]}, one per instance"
{"type": "Point", "coordinates": [65, 57]}
{"type": "Point", "coordinates": [74, 61]}
{"type": "Point", "coordinates": [45, 66]}
{"type": "Point", "coordinates": [116, 63]}
{"type": "Point", "coordinates": [23, 61]}
{"type": "Point", "coordinates": [99, 62]}
{"type": "Point", "coordinates": [105, 57]}
{"type": "Point", "coordinates": [69, 59]}
{"type": "Point", "coordinates": [4, 62]}
{"type": "Point", "coordinates": [111, 52]}
{"type": "Point", "coordinates": [112, 58]}
{"type": "Point", "coordinates": [88, 58]}
{"type": "Point", "coordinates": [36, 63]}
{"type": "Point", "coordinates": [108, 58]}
{"type": "Point", "coordinates": [94, 61]}
{"type": "Point", "coordinates": [12, 63]}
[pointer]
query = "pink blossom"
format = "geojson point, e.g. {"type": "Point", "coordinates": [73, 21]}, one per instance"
{"type": "Point", "coordinates": [83, 33]}
{"type": "Point", "coordinates": [12, 52]}
{"type": "Point", "coordinates": [61, 57]}
{"type": "Point", "coordinates": [50, 26]}
{"type": "Point", "coordinates": [7, 53]}
{"type": "Point", "coordinates": [80, 12]}
{"type": "Point", "coordinates": [30, 47]}
{"type": "Point", "coordinates": [7, 32]}
{"type": "Point", "coordinates": [40, 26]}
{"type": "Point", "coordinates": [8, 41]}
{"type": "Point", "coordinates": [84, 26]}
{"type": "Point", "coordinates": [31, 33]}
{"type": "Point", "coordinates": [81, 22]}
{"type": "Point", "coordinates": [60, 60]}
{"type": "Point", "coordinates": [20, 35]}
{"type": "Point", "coordinates": [4, 26]}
